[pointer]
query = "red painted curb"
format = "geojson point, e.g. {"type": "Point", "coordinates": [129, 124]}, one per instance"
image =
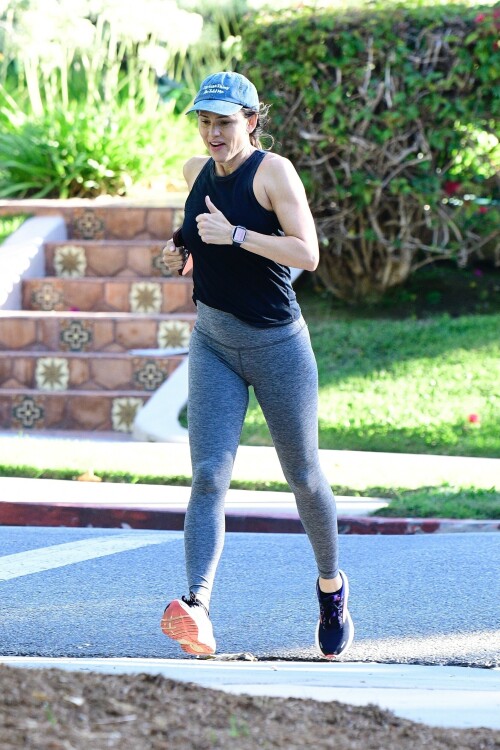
{"type": "Point", "coordinates": [77, 516]}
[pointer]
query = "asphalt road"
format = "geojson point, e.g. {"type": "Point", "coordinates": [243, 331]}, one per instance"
{"type": "Point", "coordinates": [100, 593]}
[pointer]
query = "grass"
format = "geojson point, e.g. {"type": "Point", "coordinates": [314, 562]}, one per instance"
{"type": "Point", "coordinates": [407, 377]}
{"type": "Point", "coordinates": [9, 224]}
{"type": "Point", "coordinates": [443, 501]}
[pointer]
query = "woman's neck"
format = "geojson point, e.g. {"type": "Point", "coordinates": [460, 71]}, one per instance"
{"type": "Point", "coordinates": [225, 168]}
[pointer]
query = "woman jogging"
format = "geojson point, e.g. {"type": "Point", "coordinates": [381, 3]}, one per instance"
{"type": "Point", "coordinates": [246, 222]}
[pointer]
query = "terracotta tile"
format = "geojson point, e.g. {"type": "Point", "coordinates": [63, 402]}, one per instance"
{"type": "Point", "coordinates": [116, 296]}
{"type": "Point", "coordinates": [112, 374]}
{"type": "Point", "coordinates": [177, 297]}
{"type": "Point", "coordinates": [48, 332]}
{"type": "Point", "coordinates": [49, 251]}
{"type": "Point", "coordinates": [135, 334]}
{"type": "Point", "coordinates": [6, 368]}
{"type": "Point", "coordinates": [107, 260]}
{"type": "Point", "coordinates": [159, 222]}
{"type": "Point", "coordinates": [125, 223]}
{"type": "Point", "coordinates": [140, 260]}
{"type": "Point", "coordinates": [23, 370]}
{"type": "Point", "coordinates": [85, 294]}
{"type": "Point", "coordinates": [13, 384]}
{"type": "Point", "coordinates": [5, 412]}
{"type": "Point", "coordinates": [114, 349]}
{"type": "Point", "coordinates": [56, 410]}
{"type": "Point", "coordinates": [79, 372]}
{"type": "Point", "coordinates": [89, 412]}
{"type": "Point", "coordinates": [17, 333]}
{"type": "Point", "coordinates": [103, 334]}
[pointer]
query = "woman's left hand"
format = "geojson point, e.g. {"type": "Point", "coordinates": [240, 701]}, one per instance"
{"type": "Point", "coordinates": [214, 228]}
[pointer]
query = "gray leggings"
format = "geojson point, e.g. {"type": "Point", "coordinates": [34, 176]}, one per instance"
{"type": "Point", "coordinates": [227, 355]}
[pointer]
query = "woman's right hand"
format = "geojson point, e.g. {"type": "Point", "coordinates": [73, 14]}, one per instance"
{"type": "Point", "coordinates": [173, 257]}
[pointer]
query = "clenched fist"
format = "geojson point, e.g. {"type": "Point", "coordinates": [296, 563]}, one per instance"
{"type": "Point", "coordinates": [173, 257]}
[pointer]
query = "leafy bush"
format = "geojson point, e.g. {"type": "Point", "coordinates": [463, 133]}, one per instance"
{"type": "Point", "coordinates": [89, 92]}
{"type": "Point", "coordinates": [84, 151]}
{"type": "Point", "coordinates": [377, 107]}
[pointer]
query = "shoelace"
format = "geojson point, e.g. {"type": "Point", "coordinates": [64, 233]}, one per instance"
{"type": "Point", "coordinates": [194, 602]}
{"type": "Point", "coordinates": [331, 611]}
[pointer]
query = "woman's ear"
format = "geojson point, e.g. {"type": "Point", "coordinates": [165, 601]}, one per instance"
{"type": "Point", "coordinates": [252, 123]}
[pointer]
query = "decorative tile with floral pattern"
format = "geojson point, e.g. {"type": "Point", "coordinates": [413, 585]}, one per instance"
{"type": "Point", "coordinates": [145, 297]}
{"type": "Point", "coordinates": [88, 226]}
{"type": "Point", "coordinates": [70, 261]}
{"type": "Point", "coordinates": [45, 297]}
{"type": "Point", "coordinates": [159, 265]}
{"type": "Point", "coordinates": [76, 336]}
{"type": "Point", "coordinates": [150, 377]}
{"type": "Point", "coordinates": [123, 413]}
{"type": "Point", "coordinates": [27, 413]}
{"type": "Point", "coordinates": [52, 374]}
{"type": "Point", "coordinates": [173, 333]}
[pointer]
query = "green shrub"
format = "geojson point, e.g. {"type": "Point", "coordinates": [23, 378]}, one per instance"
{"type": "Point", "coordinates": [377, 107]}
{"type": "Point", "coordinates": [86, 150]}
{"type": "Point", "coordinates": [88, 92]}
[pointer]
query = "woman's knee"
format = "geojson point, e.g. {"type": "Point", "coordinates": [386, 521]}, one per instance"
{"type": "Point", "coordinates": [305, 480]}
{"type": "Point", "coordinates": [210, 478]}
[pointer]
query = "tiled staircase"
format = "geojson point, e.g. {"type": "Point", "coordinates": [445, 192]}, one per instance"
{"type": "Point", "coordinates": [67, 360]}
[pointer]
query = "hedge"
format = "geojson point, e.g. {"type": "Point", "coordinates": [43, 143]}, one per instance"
{"type": "Point", "coordinates": [377, 107]}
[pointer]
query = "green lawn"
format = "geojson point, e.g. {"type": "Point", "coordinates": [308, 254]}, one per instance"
{"type": "Point", "coordinates": [409, 385]}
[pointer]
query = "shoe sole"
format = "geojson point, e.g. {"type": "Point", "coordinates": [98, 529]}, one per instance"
{"type": "Point", "coordinates": [332, 657]}
{"type": "Point", "coordinates": [177, 624]}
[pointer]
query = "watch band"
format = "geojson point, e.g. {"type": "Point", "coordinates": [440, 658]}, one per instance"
{"type": "Point", "coordinates": [239, 235]}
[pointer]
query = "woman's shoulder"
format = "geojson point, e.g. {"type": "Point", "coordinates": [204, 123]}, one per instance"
{"type": "Point", "coordinates": [276, 170]}
{"type": "Point", "coordinates": [276, 164]}
{"type": "Point", "coordinates": [193, 167]}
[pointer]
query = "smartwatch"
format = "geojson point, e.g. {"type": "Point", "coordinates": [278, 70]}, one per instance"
{"type": "Point", "coordinates": [239, 235]}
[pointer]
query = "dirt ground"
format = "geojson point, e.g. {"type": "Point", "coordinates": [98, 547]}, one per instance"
{"type": "Point", "coordinates": [59, 710]}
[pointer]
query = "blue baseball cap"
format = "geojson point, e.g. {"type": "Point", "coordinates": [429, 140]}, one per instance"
{"type": "Point", "coordinates": [225, 94]}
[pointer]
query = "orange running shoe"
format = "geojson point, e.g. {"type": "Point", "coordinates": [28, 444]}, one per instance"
{"type": "Point", "coordinates": [187, 621]}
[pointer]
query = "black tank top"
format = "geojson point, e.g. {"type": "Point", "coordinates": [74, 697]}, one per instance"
{"type": "Point", "coordinates": [254, 289]}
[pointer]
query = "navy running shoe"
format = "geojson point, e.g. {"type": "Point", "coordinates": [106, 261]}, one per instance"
{"type": "Point", "coordinates": [335, 630]}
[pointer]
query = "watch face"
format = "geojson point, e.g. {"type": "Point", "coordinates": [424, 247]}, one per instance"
{"type": "Point", "coordinates": [239, 234]}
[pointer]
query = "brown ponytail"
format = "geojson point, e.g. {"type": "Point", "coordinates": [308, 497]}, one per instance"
{"type": "Point", "coordinates": [258, 135]}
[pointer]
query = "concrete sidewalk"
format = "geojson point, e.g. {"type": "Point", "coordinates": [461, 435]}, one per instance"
{"type": "Point", "coordinates": [68, 503]}
{"type": "Point", "coordinates": [52, 502]}
{"type": "Point", "coordinates": [355, 469]}
{"type": "Point", "coordinates": [438, 696]}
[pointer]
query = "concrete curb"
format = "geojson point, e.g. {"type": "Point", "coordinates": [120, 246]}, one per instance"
{"type": "Point", "coordinates": [278, 522]}
{"type": "Point", "coordinates": [439, 696]}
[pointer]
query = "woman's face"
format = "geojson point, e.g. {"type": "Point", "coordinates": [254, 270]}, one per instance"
{"type": "Point", "coordinates": [225, 136]}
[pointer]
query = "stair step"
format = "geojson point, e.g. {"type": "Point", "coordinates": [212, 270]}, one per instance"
{"type": "Point", "coordinates": [70, 410]}
{"type": "Point", "coordinates": [88, 331]}
{"type": "Point", "coordinates": [60, 371]}
{"type": "Point", "coordinates": [108, 295]}
{"type": "Point", "coordinates": [98, 219]}
{"type": "Point", "coordinates": [121, 258]}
